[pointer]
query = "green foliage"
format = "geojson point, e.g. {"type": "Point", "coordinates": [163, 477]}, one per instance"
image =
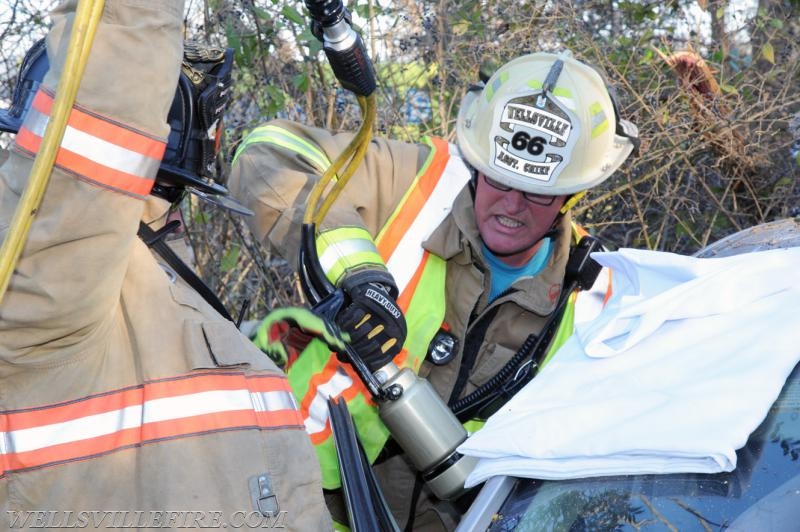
{"type": "Point", "coordinates": [293, 15]}
{"type": "Point", "coordinates": [230, 259]}
{"type": "Point", "coordinates": [639, 12]}
{"type": "Point", "coordinates": [708, 165]}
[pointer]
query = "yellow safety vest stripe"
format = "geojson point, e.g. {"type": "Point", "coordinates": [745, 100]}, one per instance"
{"type": "Point", "coordinates": [280, 137]}
{"type": "Point", "coordinates": [345, 249]}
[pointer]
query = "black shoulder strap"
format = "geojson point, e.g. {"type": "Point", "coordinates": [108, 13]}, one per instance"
{"type": "Point", "coordinates": [155, 241]}
{"type": "Point", "coordinates": [472, 343]}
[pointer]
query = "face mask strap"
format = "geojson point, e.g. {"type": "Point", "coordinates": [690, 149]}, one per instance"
{"type": "Point", "coordinates": [571, 201]}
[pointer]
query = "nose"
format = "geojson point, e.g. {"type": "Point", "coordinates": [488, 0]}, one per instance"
{"type": "Point", "coordinates": [514, 201]}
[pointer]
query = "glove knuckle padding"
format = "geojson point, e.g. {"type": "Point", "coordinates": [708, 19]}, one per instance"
{"type": "Point", "coordinates": [375, 324]}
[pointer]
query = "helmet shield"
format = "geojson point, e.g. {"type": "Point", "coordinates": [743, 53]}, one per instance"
{"type": "Point", "coordinates": [533, 136]}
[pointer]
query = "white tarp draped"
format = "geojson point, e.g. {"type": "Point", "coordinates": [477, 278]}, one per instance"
{"type": "Point", "coordinates": [672, 376]}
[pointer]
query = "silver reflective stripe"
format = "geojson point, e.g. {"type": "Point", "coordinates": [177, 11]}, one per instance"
{"type": "Point", "coordinates": [285, 139]}
{"type": "Point", "coordinates": [341, 250]}
{"type": "Point", "coordinates": [271, 401]}
{"type": "Point", "coordinates": [95, 149]}
{"type": "Point", "coordinates": [318, 409]}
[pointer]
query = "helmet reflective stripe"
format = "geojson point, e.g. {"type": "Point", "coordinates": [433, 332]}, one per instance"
{"type": "Point", "coordinates": [285, 139]}
{"type": "Point", "coordinates": [97, 150]}
{"type": "Point", "coordinates": [157, 411]}
{"type": "Point", "coordinates": [344, 249]}
{"type": "Point", "coordinates": [493, 86]}
{"type": "Point", "coordinates": [543, 124]}
{"type": "Point", "coordinates": [599, 119]}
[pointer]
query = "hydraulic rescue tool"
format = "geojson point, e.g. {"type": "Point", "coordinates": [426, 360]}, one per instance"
{"type": "Point", "coordinates": [417, 418]}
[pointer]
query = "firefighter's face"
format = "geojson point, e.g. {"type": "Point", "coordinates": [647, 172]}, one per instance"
{"type": "Point", "coordinates": [511, 223]}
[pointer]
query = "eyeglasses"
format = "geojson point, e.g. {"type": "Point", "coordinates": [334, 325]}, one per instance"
{"type": "Point", "coordinates": [538, 199]}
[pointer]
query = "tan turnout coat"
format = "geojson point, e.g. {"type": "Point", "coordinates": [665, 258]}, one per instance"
{"type": "Point", "coordinates": [90, 315]}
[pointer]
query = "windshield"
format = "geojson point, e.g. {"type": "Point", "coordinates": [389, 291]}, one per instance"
{"type": "Point", "coordinates": [762, 493]}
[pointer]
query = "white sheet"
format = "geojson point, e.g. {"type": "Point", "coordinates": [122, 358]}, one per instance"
{"type": "Point", "coordinates": [672, 376]}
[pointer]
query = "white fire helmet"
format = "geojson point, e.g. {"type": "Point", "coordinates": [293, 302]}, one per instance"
{"type": "Point", "coordinates": [546, 124]}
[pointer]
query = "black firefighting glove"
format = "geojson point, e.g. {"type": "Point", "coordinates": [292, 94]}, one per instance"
{"type": "Point", "coordinates": [372, 318]}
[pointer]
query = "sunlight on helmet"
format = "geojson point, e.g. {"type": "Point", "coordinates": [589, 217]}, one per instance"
{"type": "Point", "coordinates": [546, 124]}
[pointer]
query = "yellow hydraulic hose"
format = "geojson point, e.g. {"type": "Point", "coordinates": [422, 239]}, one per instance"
{"type": "Point", "coordinates": [352, 155]}
{"type": "Point", "coordinates": [87, 17]}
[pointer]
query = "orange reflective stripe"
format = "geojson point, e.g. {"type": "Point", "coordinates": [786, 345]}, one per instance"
{"type": "Point", "coordinates": [318, 392]}
{"type": "Point", "coordinates": [416, 199]}
{"type": "Point", "coordinates": [103, 128]}
{"type": "Point", "coordinates": [326, 432]}
{"type": "Point", "coordinates": [330, 369]}
{"type": "Point", "coordinates": [323, 384]}
{"type": "Point", "coordinates": [404, 300]}
{"type": "Point", "coordinates": [156, 411]}
{"type": "Point", "coordinates": [95, 148]}
{"type": "Point", "coordinates": [610, 289]}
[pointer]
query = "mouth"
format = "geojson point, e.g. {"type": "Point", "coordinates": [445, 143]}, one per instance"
{"type": "Point", "coordinates": [507, 222]}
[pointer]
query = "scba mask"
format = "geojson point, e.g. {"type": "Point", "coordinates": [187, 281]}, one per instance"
{"type": "Point", "coordinates": [544, 124]}
{"type": "Point", "coordinates": [195, 119]}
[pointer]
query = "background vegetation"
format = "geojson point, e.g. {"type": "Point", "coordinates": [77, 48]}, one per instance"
{"type": "Point", "coordinates": [712, 161]}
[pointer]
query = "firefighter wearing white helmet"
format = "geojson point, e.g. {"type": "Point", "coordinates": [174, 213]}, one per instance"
{"type": "Point", "coordinates": [470, 242]}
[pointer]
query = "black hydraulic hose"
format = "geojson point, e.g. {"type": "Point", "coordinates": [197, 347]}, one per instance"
{"type": "Point", "coordinates": [313, 281]}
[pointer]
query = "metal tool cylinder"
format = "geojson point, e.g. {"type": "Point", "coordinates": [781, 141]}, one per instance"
{"type": "Point", "coordinates": [427, 430]}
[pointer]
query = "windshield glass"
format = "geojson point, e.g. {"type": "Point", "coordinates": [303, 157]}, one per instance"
{"type": "Point", "coordinates": [762, 493]}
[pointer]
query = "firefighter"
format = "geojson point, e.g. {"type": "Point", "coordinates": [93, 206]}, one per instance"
{"type": "Point", "coordinates": [126, 400]}
{"type": "Point", "coordinates": [470, 241]}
